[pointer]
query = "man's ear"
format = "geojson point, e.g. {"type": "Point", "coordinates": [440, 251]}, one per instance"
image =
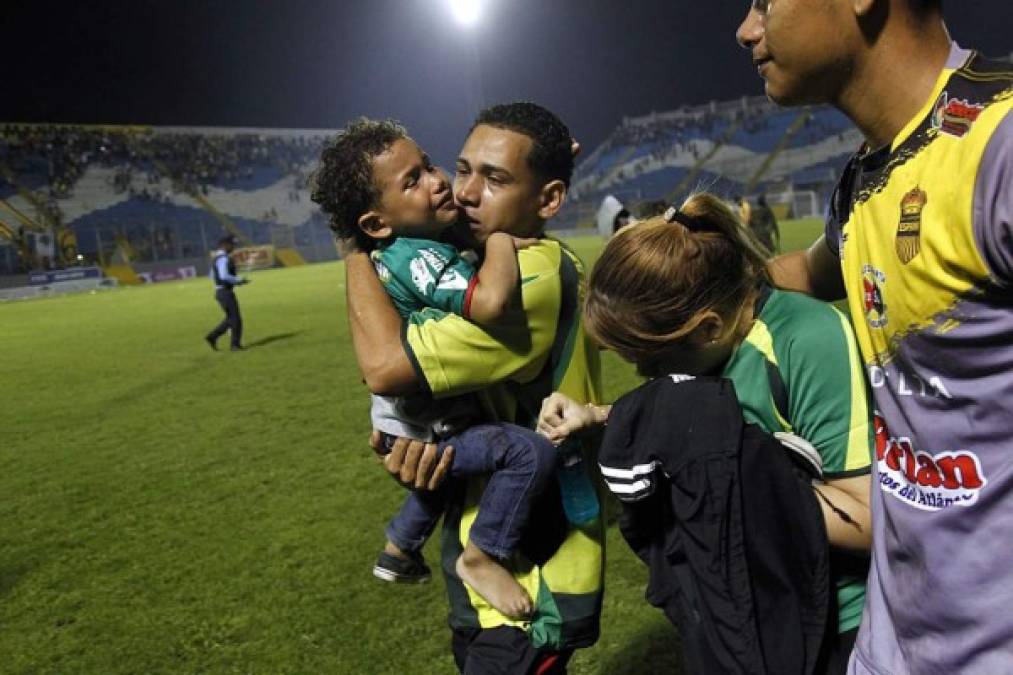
{"type": "Point", "coordinates": [871, 17]}
{"type": "Point", "coordinates": [374, 225]}
{"type": "Point", "coordinates": [862, 7]}
{"type": "Point", "coordinates": [551, 199]}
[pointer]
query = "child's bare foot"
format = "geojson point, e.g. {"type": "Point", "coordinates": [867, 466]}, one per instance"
{"type": "Point", "coordinates": [493, 582]}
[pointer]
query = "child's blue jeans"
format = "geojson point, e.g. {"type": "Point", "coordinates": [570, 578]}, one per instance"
{"type": "Point", "coordinates": [520, 464]}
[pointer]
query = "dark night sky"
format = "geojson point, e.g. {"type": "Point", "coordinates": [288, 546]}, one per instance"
{"type": "Point", "coordinates": [317, 63]}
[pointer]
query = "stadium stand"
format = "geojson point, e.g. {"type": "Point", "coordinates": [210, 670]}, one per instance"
{"type": "Point", "coordinates": [744, 147]}
{"type": "Point", "coordinates": [143, 197]}
{"type": "Point", "coordinates": [149, 195]}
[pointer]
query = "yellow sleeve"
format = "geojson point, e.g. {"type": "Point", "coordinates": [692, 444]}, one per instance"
{"type": "Point", "coordinates": [454, 356]}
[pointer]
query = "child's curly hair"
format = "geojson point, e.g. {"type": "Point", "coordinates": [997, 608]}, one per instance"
{"type": "Point", "coordinates": [343, 184]}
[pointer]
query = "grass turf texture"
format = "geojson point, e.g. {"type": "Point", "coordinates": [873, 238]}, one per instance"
{"type": "Point", "coordinates": [168, 509]}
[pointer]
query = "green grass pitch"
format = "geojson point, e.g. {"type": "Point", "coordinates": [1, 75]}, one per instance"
{"type": "Point", "coordinates": [167, 509]}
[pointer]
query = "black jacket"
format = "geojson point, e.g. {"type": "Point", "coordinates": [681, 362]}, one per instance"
{"type": "Point", "coordinates": [727, 523]}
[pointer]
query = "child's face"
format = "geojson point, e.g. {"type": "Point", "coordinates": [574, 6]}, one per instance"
{"type": "Point", "coordinates": [415, 196]}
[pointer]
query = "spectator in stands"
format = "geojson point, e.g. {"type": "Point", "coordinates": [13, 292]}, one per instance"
{"type": "Point", "coordinates": [191, 161]}
{"type": "Point", "coordinates": [745, 209]}
{"type": "Point", "coordinates": [612, 216]}
{"type": "Point", "coordinates": [512, 176]}
{"type": "Point", "coordinates": [223, 273]}
{"type": "Point", "coordinates": [651, 208]}
{"type": "Point", "coordinates": [919, 238]}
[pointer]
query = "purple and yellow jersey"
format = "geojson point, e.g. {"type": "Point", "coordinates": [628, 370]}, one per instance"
{"type": "Point", "coordinates": [924, 232]}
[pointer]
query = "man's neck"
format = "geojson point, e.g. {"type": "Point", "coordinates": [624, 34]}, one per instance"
{"type": "Point", "coordinates": [894, 79]}
{"type": "Point", "coordinates": [533, 230]}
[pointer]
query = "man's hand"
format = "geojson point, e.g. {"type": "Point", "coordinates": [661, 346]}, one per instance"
{"type": "Point", "coordinates": [414, 464]}
{"type": "Point", "coordinates": [561, 416]}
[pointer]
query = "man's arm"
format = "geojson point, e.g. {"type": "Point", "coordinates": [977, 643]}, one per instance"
{"type": "Point", "coordinates": [376, 330]}
{"type": "Point", "coordinates": [993, 203]}
{"type": "Point", "coordinates": [375, 327]}
{"type": "Point", "coordinates": [815, 271]}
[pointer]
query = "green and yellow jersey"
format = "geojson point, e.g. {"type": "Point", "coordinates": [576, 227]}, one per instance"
{"type": "Point", "coordinates": [511, 368]}
{"type": "Point", "coordinates": [798, 370]}
{"type": "Point", "coordinates": [418, 273]}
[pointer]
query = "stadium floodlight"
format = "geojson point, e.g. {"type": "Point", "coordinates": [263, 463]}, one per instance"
{"type": "Point", "coordinates": [466, 11]}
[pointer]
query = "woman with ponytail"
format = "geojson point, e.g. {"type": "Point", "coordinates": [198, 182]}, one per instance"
{"type": "Point", "coordinates": [688, 293]}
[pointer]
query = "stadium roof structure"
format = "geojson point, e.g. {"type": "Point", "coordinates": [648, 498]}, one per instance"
{"type": "Point", "coordinates": [7, 127]}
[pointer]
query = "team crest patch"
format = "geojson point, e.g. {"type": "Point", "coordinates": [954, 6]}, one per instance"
{"type": "Point", "coordinates": [872, 296]}
{"type": "Point", "coordinates": [909, 230]}
{"type": "Point", "coordinates": [954, 116]}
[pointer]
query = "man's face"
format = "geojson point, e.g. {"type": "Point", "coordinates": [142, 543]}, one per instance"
{"type": "Point", "coordinates": [495, 187]}
{"type": "Point", "coordinates": [415, 197]}
{"type": "Point", "coordinates": [801, 48]}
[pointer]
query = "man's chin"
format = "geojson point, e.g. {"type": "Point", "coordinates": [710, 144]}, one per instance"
{"type": "Point", "coordinates": [789, 97]}
{"type": "Point", "coordinates": [460, 235]}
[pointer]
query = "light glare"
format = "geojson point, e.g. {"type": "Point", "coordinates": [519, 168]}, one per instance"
{"type": "Point", "coordinates": [465, 11]}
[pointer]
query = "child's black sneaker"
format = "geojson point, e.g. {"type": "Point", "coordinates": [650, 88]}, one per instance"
{"type": "Point", "coordinates": [410, 570]}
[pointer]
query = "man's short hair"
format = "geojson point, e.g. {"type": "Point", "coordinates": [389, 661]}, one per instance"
{"type": "Point", "coordinates": [343, 184]}
{"type": "Point", "coordinates": [551, 156]}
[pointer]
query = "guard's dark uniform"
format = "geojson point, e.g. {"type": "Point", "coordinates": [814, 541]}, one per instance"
{"type": "Point", "coordinates": [226, 297]}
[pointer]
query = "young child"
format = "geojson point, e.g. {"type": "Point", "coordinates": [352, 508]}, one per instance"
{"type": "Point", "coordinates": [377, 186]}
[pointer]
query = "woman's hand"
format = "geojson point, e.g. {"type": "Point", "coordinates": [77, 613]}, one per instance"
{"type": "Point", "coordinates": [561, 416]}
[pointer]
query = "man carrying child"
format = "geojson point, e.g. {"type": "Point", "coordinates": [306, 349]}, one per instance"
{"type": "Point", "coordinates": [511, 177]}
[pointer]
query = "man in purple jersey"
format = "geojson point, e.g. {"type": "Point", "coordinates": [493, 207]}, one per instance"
{"type": "Point", "coordinates": [920, 240]}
